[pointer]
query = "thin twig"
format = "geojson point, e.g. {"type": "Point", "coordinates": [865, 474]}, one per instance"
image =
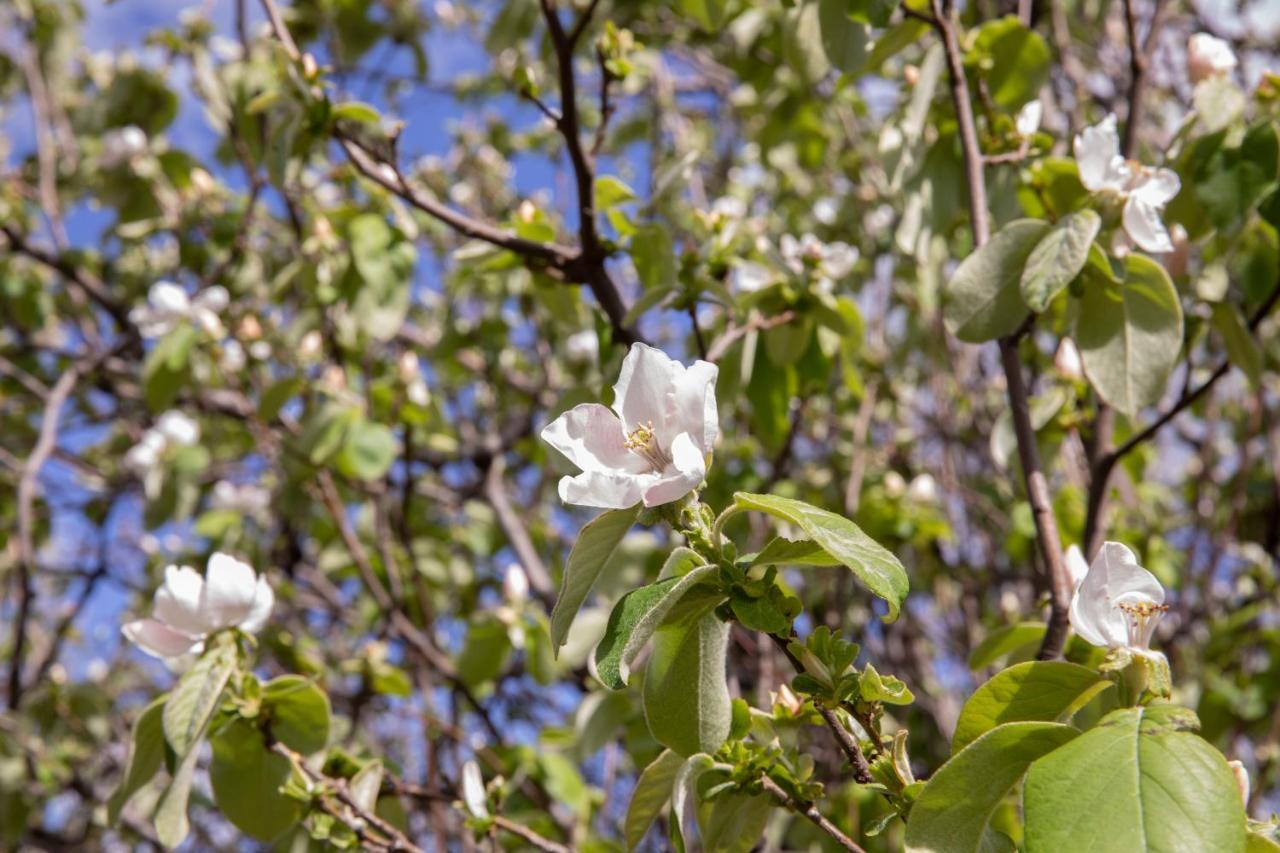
{"type": "Point", "coordinates": [810, 811]}
{"type": "Point", "coordinates": [495, 492]}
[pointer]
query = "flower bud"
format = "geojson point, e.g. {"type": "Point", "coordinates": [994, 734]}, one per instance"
{"type": "Point", "coordinates": [408, 366]}
{"type": "Point", "coordinates": [911, 74]}
{"type": "Point", "coordinates": [249, 329]}
{"type": "Point", "coordinates": [894, 484]}
{"type": "Point", "coordinates": [1242, 779]}
{"type": "Point", "coordinates": [310, 347]}
{"type": "Point", "coordinates": [1067, 361]}
{"type": "Point", "coordinates": [1208, 57]}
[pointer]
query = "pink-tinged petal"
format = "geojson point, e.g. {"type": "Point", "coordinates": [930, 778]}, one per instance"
{"type": "Point", "coordinates": [687, 471]}
{"type": "Point", "coordinates": [264, 598]}
{"type": "Point", "coordinates": [158, 639]}
{"type": "Point", "coordinates": [1156, 187]}
{"type": "Point", "coordinates": [604, 490]}
{"type": "Point", "coordinates": [229, 590]}
{"type": "Point", "coordinates": [645, 387]}
{"type": "Point", "coordinates": [591, 437]}
{"type": "Point", "coordinates": [696, 413]}
{"type": "Point", "coordinates": [177, 601]}
{"type": "Point", "coordinates": [1095, 148]}
{"type": "Point", "coordinates": [1142, 224]}
{"type": "Point", "coordinates": [1077, 566]}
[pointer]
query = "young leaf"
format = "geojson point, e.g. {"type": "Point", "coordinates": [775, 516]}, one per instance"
{"type": "Point", "coordinates": [299, 713]}
{"type": "Point", "coordinates": [953, 812]}
{"type": "Point", "coordinates": [635, 618]}
{"type": "Point", "coordinates": [650, 796]}
{"type": "Point", "coordinates": [845, 40]}
{"type": "Point", "coordinates": [874, 565]}
{"type": "Point", "coordinates": [1242, 347]}
{"type": "Point", "coordinates": [686, 698]}
{"type": "Point", "coordinates": [1058, 258]}
{"type": "Point", "coordinates": [146, 754]}
{"type": "Point", "coordinates": [1130, 336]}
{"type": "Point", "coordinates": [596, 543]}
{"type": "Point", "coordinates": [1137, 781]}
{"type": "Point", "coordinates": [171, 821]}
{"type": "Point", "coordinates": [1050, 691]}
{"type": "Point", "coordinates": [984, 297]}
{"type": "Point", "coordinates": [190, 706]}
{"type": "Point", "coordinates": [246, 778]}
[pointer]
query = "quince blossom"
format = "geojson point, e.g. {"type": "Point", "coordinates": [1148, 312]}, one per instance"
{"type": "Point", "coordinates": [1209, 56]}
{"type": "Point", "coordinates": [1118, 603]}
{"type": "Point", "coordinates": [652, 446]}
{"type": "Point", "coordinates": [1145, 190]}
{"type": "Point", "coordinates": [187, 608]}
{"type": "Point", "coordinates": [168, 306]}
{"type": "Point", "coordinates": [830, 261]}
{"type": "Point", "coordinates": [172, 429]}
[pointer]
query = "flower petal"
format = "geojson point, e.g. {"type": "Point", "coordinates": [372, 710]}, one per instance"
{"type": "Point", "coordinates": [604, 489]}
{"type": "Point", "coordinates": [168, 298]}
{"type": "Point", "coordinates": [1095, 148]}
{"type": "Point", "coordinates": [177, 601]}
{"type": "Point", "coordinates": [158, 639]}
{"type": "Point", "coordinates": [230, 587]}
{"type": "Point", "coordinates": [264, 598]}
{"type": "Point", "coordinates": [696, 414]}
{"type": "Point", "coordinates": [178, 428]}
{"type": "Point", "coordinates": [1114, 575]}
{"type": "Point", "coordinates": [591, 437]}
{"type": "Point", "coordinates": [1156, 187]}
{"type": "Point", "coordinates": [643, 392]}
{"type": "Point", "coordinates": [689, 467]}
{"type": "Point", "coordinates": [1142, 224]}
{"type": "Point", "coordinates": [1077, 566]}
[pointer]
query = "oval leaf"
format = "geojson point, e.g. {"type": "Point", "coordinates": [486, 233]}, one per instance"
{"type": "Point", "coordinates": [686, 698]}
{"type": "Point", "coordinates": [596, 543]}
{"type": "Point", "coordinates": [1036, 690]}
{"type": "Point", "coordinates": [246, 778]}
{"type": "Point", "coordinates": [650, 795]}
{"type": "Point", "coordinates": [1058, 258]}
{"type": "Point", "coordinates": [984, 297]}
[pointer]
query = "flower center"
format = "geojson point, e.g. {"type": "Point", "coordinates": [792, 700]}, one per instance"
{"type": "Point", "coordinates": [642, 441]}
{"type": "Point", "coordinates": [1142, 617]}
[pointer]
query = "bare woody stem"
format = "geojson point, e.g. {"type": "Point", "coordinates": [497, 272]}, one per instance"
{"type": "Point", "coordinates": [810, 811]}
{"type": "Point", "coordinates": [1028, 453]}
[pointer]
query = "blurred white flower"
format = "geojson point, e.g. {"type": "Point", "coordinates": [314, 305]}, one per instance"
{"type": "Point", "coordinates": [1209, 56]}
{"type": "Point", "coordinates": [187, 607]}
{"type": "Point", "coordinates": [825, 210]}
{"type": "Point", "coordinates": [178, 428]}
{"type": "Point", "coordinates": [748, 276]}
{"type": "Point", "coordinates": [232, 358]}
{"type": "Point", "coordinates": [583, 347]}
{"type": "Point", "coordinates": [172, 429]}
{"type": "Point", "coordinates": [1145, 190]}
{"type": "Point", "coordinates": [122, 144]}
{"type": "Point", "coordinates": [474, 795]}
{"type": "Point", "coordinates": [260, 350]}
{"type": "Point", "coordinates": [829, 262]}
{"type": "Point", "coordinates": [894, 485]}
{"type": "Point", "coordinates": [923, 489]}
{"type": "Point", "coordinates": [246, 498]}
{"type": "Point", "coordinates": [653, 446]}
{"type": "Point", "coordinates": [1118, 603]}
{"type": "Point", "coordinates": [729, 207]}
{"type": "Point", "coordinates": [310, 347]}
{"type": "Point", "coordinates": [1067, 360]}
{"type": "Point", "coordinates": [168, 305]}
{"type": "Point", "coordinates": [1028, 120]}
{"type": "Point", "coordinates": [515, 584]}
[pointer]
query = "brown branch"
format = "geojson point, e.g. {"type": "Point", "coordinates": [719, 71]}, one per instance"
{"type": "Point", "coordinates": [810, 811]}
{"type": "Point", "coordinates": [89, 283]}
{"type": "Point", "coordinates": [1028, 453]}
{"type": "Point", "coordinates": [495, 492]}
{"type": "Point", "coordinates": [758, 322]}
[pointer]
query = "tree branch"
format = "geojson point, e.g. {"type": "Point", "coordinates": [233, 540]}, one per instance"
{"type": "Point", "coordinates": [810, 811]}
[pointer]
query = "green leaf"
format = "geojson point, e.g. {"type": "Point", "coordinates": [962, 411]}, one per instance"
{"type": "Point", "coordinates": [708, 13]}
{"type": "Point", "coordinates": [357, 111]}
{"type": "Point", "coordinates": [171, 821]}
{"type": "Point", "coordinates": [650, 795]}
{"type": "Point", "coordinates": [1050, 691]}
{"type": "Point", "coordinates": [655, 260]}
{"type": "Point", "coordinates": [1130, 336]}
{"type": "Point", "coordinates": [984, 297]}
{"type": "Point", "coordinates": [596, 543]}
{"type": "Point", "coordinates": [1138, 781]}
{"type": "Point", "coordinates": [277, 394]}
{"type": "Point", "coordinates": [298, 712]}
{"type": "Point", "coordinates": [1012, 60]}
{"type": "Point", "coordinates": [368, 450]}
{"type": "Point", "coordinates": [1005, 640]}
{"type": "Point", "coordinates": [685, 696]}
{"type": "Point", "coordinates": [246, 778]}
{"type": "Point", "coordinates": [635, 618]}
{"type": "Point", "coordinates": [611, 192]}
{"type": "Point", "coordinates": [953, 812]}
{"type": "Point", "coordinates": [1242, 348]}
{"type": "Point", "coordinates": [889, 689]}
{"type": "Point", "coordinates": [168, 366]}
{"type": "Point", "coordinates": [146, 754]}
{"type": "Point", "coordinates": [192, 702]}
{"type": "Point", "coordinates": [874, 565]}
{"type": "Point", "coordinates": [485, 651]}
{"type": "Point", "coordinates": [782, 551]}
{"type": "Point", "coordinates": [735, 823]}
{"type": "Point", "coordinates": [1058, 258]}
{"type": "Point", "coordinates": [845, 40]}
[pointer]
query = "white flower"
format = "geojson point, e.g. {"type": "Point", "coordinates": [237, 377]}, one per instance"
{"type": "Point", "coordinates": [121, 145]}
{"type": "Point", "coordinates": [583, 347]}
{"type": "Point", "coordinates": [310, 347]}
{"type": "Point", "coordinates": [1028, 120]}
{"type": "Point", "coordinates": [188, 607]}
{"type": "Point", "coordinates": [1119, 603]}
{"type": "Point", "coordinates": [168, 306]}
{"type": "Point", "coordinates": [246, 498]}
{"type": "Point", "coordinates": [922, 489]}
{"type": "Point", "coordinates": [474, 795]}
{"type": "Point", "coordinates": [1077, 566]}
{"type": "Point", "coordinates": [894, 485]}
{"type": "Point", "coordinates": [172, 429]}
{"type": "Point", "coordinates": [515, 584]}
{"type": "Point", "coordinates": [825, 210]}
{"type": "Point", "coordinates": [729, 207]}
{"type": "Point", "coordinates": [748, 277]}
{"type": "Point", "coordinates": [178, 429]}
{"type": "Point", "coordinates": [232, 359]}
{"type": "Point", "coordinates": [1067, 360]}
{"type": "Point", "coordinates": [830, 262]}
{"type": "Point", "coordinates": [652, 446]}
{"type": "Point", "coordinates": [144, 455]}
{"type": "Point", "coordinates": [1208, 56]}
{"type": "Point", "coordinates": [1145, 190]}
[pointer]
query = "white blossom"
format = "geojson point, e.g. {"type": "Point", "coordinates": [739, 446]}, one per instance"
{"type": "Point", "coordinates": [1067, 360]}
{"type": "Point", "coordinates": [1077, 566]}
{"type": "Point", "coordinates": [246, 498]}
{"type": "Point", "coordinates": [830, 261]}
{"type": "Point", "coordinates": [583, 347]}
{"type": "Point", "coordinates": [1118, 603]}
{"type": "Point", "coordinates": [1145, 190]}
{"type": "Point", "coordinates": [515, 584]}
{"type": "Point", "coordinates": [187, 608]}
{"type": "Point", "coordinates": [122, 144]}
{"type": "Point", "coordinates": [922, 489]}
{"type": "Point", "coordinates": [652, 446]}
{"type": "Point", "coordinates": [172, 429]}
{"type": "Point", "coordinates": [168, 306]}
{"type": "Point", "coordinates": [178, 429]}
{"type": "Point", "coordinates": [1028, 120]}
{"type": "Point", "coordinates": [1209, 56]}
{"type": "Point", "coordinates": [748, 277]}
